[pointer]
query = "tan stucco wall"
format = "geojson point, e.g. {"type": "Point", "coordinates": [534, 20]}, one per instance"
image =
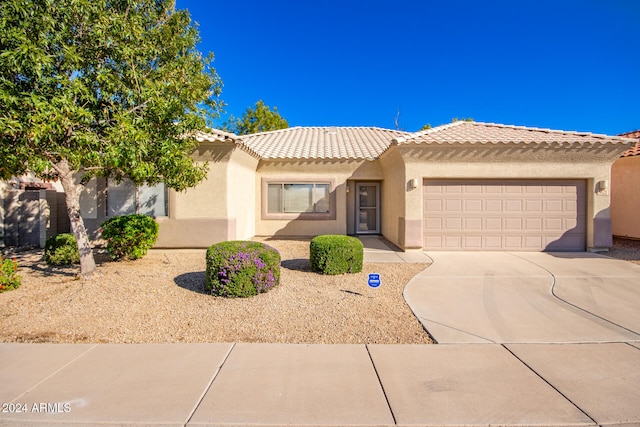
{"type": "Point", "coordinates": [393, 191]}
{"type": "Point", "coordinates": [336, 171]}
{"type": "Point", "coordinates": [241, 195]}
{"type": "Point", "coordinates": [510, 162]}
{"type": "Point", "coordinates": [220, 208]}
{"type": "Point", "coordinates": [208, 199]}
{"type": "Point", "coordinates": [625, 197]}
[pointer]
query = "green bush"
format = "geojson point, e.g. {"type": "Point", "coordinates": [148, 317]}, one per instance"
{"type": "Point", "coordinates": [61, 249]}
{"type": "Point", "coordinates": [9, 277]}
{"type": "Point", "coordinates": [336, 254]}
{"type": "Point", "coordinates": [129, 236]}
{"type": "Point", "coordinates": [242, 268]}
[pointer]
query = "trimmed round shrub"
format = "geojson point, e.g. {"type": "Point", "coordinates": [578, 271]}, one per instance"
{"type": "Point", "coordinates": [336, 254]}
{"type": "Point", "coordinates": [242, 268]}
{"type": "Point", "coordinates": [61, 249]}
{"type": "Point", "coordinates": [129, 236]}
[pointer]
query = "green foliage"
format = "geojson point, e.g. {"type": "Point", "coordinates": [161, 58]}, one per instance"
{"type": "Point", "coordinates": [61, 249]}
{"type": "Point", "coordinates": [129, 236]}
{"type": "Point", "coordinates": [336, 254]}
{"type": "Point", "coordinates": [9, 277]}
{"type": "Point", "coordinates": [242, 268]}
{"type": "Point", "coordinates": [112, 88]}
{"type": "Point", "coordinates": [260, 119]}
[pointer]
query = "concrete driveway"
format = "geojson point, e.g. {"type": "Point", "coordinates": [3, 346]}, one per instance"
{"type": "Point", "coordinates": [537, 297]}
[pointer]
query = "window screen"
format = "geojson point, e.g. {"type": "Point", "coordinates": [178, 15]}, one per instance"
{"type": "Point", "coordinates": [298, 198]}
{"type": "Point", "coordinates": [124, 198]}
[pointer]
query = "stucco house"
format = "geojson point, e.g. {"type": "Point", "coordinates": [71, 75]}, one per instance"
{"type": "Point", "coordinates": [625, 196]}
{"type": "Point", "coordinates": [461, 186]}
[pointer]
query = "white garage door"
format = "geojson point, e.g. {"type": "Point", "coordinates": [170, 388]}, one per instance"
{"type": "Point", "coordinates": [518, 215]}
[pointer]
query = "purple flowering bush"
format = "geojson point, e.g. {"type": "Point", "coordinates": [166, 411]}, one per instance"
{"type": "Point", "coordinates": [242, 268]}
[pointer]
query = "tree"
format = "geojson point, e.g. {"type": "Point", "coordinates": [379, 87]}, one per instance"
{"type": "Point", "coordinates": [109, 88]}
{"type": "Point", "coordinates": [260, 119]}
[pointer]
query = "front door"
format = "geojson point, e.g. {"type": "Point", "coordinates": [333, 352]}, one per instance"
{"type": "Point", "coordinates": [367, 208]}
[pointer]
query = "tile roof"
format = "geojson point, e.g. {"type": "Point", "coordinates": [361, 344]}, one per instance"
{"type": "Point", "coordinates": [635, 150]}
{"type": "Point", "coordinates": [490, 133]}
{"type": "Point", "coordinates": [213, 135]}
{"type": "Point", "coordinates": [370, 142]}
{"type": "Point", "coordinates": [216, 135]}
{"type": "Point", "coordinates": [322, 142]}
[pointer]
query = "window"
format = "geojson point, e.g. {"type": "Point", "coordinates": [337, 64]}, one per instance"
{"type": "Point", "coordinates": [298, 198]}
{"type": "Point", "coordinates": [312, 199]}
{"type": "Point", "coordinates": [125, 198]}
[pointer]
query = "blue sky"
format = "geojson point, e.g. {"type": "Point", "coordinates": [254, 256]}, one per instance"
{"type": "Point", "coordinates": [570, 65]}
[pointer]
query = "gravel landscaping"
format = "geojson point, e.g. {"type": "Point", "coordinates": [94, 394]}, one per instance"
{"type": "Point", "coordinates": [161, 299]}
{"type": "Point", "coordinates": [626, 249]}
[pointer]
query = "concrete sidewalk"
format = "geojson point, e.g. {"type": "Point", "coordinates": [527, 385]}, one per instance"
{"type": "Point", "coordinates": [319, 385]}
{"type": "Point", "coordinates": [377, 249]}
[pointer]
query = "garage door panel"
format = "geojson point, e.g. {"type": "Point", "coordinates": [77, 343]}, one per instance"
{"type": "Point", "coordinates": [453, 224]}
{"type": "Point", "coordinates": [533, 189]}
{"type": "Point", "coordinates": [473, 242]}
{"type": "Point", "coordinates": [513, 242]}
{"type": "Point", "coordinates": [474, 205]}
{"type": "Point", "coordinates": [433, 223]}
{"type": "Point", "coordinates": [505, 215]}
{"type": "Point", "coordinates": [493, 205]}
{"type": "Point", "coordinates": [513, 205]}
{"type": "Point", "coordinates": [453, 205]}
{"type": "Point", "coordinates": [554, 224]}
{"type": "Point", "coordinates": [453, 242]}
{"type": "Point", "coordinates": [513, 189]}
{"type": "Point", "coordinates": [493, 224]}
{"type": "Point", "coordinates": [533, 242]}
{"type": "Point", "coordinates": [433, 205]}
{"type": "Point", "coordinates": [555, 205]}
{"type": "Point", "coordinates": [513, 223]}
{"type": "Point", "coordinates": [492, 242]}
{"type": "Point", "coordinates": [533, 205]}
{"type": "Point", "coordinates": [473, 224]}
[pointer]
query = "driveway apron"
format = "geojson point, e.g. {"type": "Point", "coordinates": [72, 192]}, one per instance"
{"type": "Point", "coordinates": [500, 297]}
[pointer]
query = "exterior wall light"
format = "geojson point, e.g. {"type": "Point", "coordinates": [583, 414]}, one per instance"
{"type": "Point", "coordinates": [602, 188]}
{"type": "Point", "coordinates": [412, 184]}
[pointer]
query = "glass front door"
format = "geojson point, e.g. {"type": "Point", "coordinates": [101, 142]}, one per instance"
{"type": "Point", "coordinates": [367, 208]}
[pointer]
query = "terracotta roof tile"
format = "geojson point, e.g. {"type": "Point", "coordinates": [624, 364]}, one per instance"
{"type": "Point", "coordinates": [490, 133]}
{"type": "Point", "coordinates": [322, 142]}
{"type": "Point", "coordinates": [635, 150]}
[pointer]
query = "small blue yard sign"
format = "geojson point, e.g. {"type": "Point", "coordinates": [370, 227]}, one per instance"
{"type": "Point", "coordinates": [374, 280]}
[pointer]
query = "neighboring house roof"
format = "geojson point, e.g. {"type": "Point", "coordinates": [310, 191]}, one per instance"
{"type": "Point", "coordinates": [635, 150]}
{"type": "Point", "coordinates": [463, 132]}
{"type": "Point", "coordinates": [322, 142]}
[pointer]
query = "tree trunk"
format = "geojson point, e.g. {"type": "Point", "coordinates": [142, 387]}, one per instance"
{"type": "Point", "coordinates": [72, 196]}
